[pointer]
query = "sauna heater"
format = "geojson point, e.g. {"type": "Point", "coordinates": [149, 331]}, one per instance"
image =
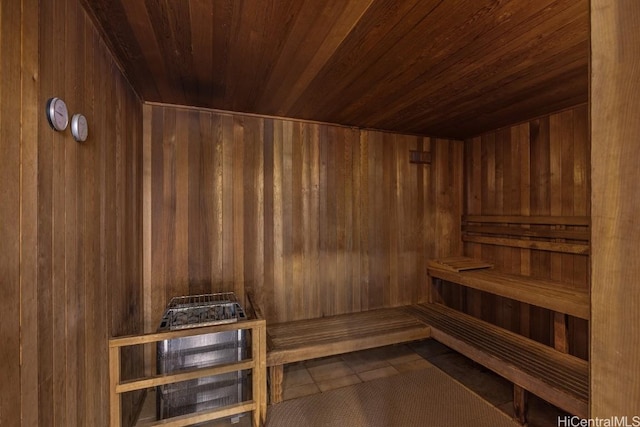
{"type": "Point", "coordinates": [199, 351]}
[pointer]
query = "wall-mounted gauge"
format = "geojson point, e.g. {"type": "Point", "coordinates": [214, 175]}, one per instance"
{"type": "Point", "coordinates": [57, 114]}
{"type": "Point", "coordinates": [79, 127]}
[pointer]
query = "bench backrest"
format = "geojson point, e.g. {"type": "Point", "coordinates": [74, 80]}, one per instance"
{"type": "Point", "coordinates": [566, 234]}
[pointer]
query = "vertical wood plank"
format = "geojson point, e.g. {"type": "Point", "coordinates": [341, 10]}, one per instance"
{"type": "Point", "coordinates": [473, 206]}
{"type": "Point", "coordinates": [30, 116]}
{"type": "Point", "coordinates": [237, 209]}
{"type": "Point", "coordinates": [180, 173]}
{"type": "Point", "coordinates": [72, 327]}
{"type": "Point", "coordinates": [267, 293]}
{"type": "Point", "coordinates": [289, 290]}
{"type": "Point", "coordinates": [227, 246]}
{"type": "Point", "coordinates": [158, 239]}
{"type": "Point", "coordinates": [391, 153]}
{"type": "Point", "coordinates": [147, 221]}
{"type": "Point", "coordinates": [614, 109]}
{"type": "Point", "coordinates": [279, 293]}
{"type": "Point", "coordinates": [198, 277]}
{"type": "Point", "coordinates": [578, 329]}
{"type": "Point", "coordinates": [10, 199]}
{"type": "Point", "coordinates": [214, 162]}
{"type": "Point", "coordinates": [421, 222]}
{"type": "Point", "coordinates": [521, 135]}
{"type": "Point", "coordinates": [520, 404]}
{"type": "Point", "coordinates": [355, 230]}
{"type": "Point", "coordinates": [378, 232]}
{"type": "Point", "coordinates": [345, 226]}
{"type": "Point", "coordinates": [92, 228]}
{"type": "Point", "coordinates": [365, 220]}
{"type": "Point", "coordinates": [253, 200]}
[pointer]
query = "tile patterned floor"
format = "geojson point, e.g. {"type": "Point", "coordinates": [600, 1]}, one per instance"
{"type": "Point", "coordinates": [320, 375]}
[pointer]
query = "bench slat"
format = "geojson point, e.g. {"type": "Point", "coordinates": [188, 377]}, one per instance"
{"type": "Point", "coordinates": [527, 232]}
{"type": "Point", "coordinates": [544, 293]}
{"type": "Point", "coordinates": [523, 219]}
{"type": "Point", "coordinates": [569, 248]}
{"type": "Point", "coordinates": [557, 377]}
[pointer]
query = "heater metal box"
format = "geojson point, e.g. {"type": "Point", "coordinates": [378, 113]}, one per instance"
{"type": "Point", "coordinates": [200, 351]}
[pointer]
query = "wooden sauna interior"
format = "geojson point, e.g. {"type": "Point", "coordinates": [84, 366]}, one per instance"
{"type": "Point", "coordinates": [265, 145]}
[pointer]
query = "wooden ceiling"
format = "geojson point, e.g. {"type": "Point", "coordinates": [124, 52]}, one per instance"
{"type": "Point", "coordinates": [448, 68]}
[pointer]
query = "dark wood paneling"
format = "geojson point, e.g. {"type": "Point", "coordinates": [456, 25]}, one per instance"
{"type": "Point", "coordinates": [450, 69]}
{"type": "Point", "coordinates": [321, 219]}
{"type": "Point", "coordinates": [540, 167]}
{"type": "Point", "coordinates": [615, 131]}
{"type": "Point", "coordinates": [71, 218]}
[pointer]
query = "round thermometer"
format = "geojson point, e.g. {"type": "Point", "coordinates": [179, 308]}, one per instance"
{"type": "Point", "coordinates": [79, 127]}
{"type": "Point", "coordinates": [57, 114]}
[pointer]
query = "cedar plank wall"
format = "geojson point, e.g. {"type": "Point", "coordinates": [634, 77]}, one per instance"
{"type": "Point", "coordinates": [321, 219]}
{"type": "Point", "coordinates": [18, 221]}
{"type": "Point", "coordinates": [71, 218]}
{"type": "Point", "coordinates": [540, 167]}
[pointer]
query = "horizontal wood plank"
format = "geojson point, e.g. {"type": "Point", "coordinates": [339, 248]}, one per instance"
{"type": "Point", "coordinates": [570, 248]}
{"type": "Point", "coordinates": [544, 293]}
{"type": "Point", "coordinates": [527, 232]}
{"type": "Point", "coordinates": [202, 416]}
{"type": "Point", "coordinates": [186, 375]}
{"type": "Point", "coordinates": [524, 219]}
{"type": "Point", "coordinates": [181, 333]}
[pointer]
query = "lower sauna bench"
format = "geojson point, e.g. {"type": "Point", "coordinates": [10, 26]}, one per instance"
{"type": "Point", "coordinates": [301, 340]}
{"type": "Point", "coordinates": [559, 378]}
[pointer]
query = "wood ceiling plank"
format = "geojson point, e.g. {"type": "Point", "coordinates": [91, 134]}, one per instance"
{"type": "Point", "coordinates": [256, 33]}
{"type": "Point", "coordinates": [182, 60]}
{"type": "Point", "coordinates": [467, 69]}
{"type": "Point", "coordinates": [277, 24]}
{"type": "Point", "coordinates": [222, 23]}
{"type": "Point", "coordinates": [526, 58]}
{"type": "Point", "coordinates": [542, 79]}
{"type": "Point", "coordinates": [125, 28]}
{"type": "Point", "coordinates": [245, 42]}
{"type": "Point", "coordinates": [202, 19]}
{"type": "Point", "coordinates": [330, 39]}
{"type": "Point", "coordinates": [530, 104]}
{"type": "Point", "coordinates": [378, 31]}
{"type": "Point", "coordinates": [165, 32]}
{"type": "Point", "coordinates": [147, 52]}
{"type": "Point", "coordinates": [404, 51]}
{"type": "Point", "coordinates": [305, 34]}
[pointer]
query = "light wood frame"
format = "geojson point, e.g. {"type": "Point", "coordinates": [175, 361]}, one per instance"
{"type": "Point", "coordinates": [257, 364]}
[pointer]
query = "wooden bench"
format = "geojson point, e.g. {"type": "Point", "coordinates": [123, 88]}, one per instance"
{"type": "Point", "coordinates": [550, 373]}
{"type": "Point", "coordinates": [556, 377]}
{"type": "Point", "coordinates": [327, 336]}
